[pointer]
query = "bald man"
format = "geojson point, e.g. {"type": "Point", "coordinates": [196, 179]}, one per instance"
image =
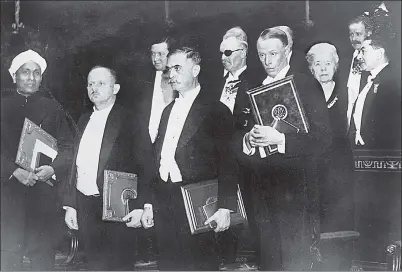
{"type": "Point", "coordinates": [29, 210]}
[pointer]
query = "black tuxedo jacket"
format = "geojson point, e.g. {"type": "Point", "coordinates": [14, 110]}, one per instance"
{"type": "Point", "coordinates": [381, 119]}
{"type": "Point", "coordinates": [125, 147]}
{"type": "Point", "coordinates": [285, 175]}
{"type": "Point", "coordinates": [203, 151]}
{"type": "Point", "coordinates": [144, 92]}
{"type": "Point", "coordinates": [285, 186]}
{"type": "Point", "coordinates": [299, 147]}
{"type": "Point", "coordinates": [243, 119]}
{"type": "Point", "coordinates": [142, 103]}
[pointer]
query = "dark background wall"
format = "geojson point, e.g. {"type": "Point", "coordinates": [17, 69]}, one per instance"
{"type": "Point", "coordinates": [79, 34]}
{"type": "Point", "coordinates": [75, 35]}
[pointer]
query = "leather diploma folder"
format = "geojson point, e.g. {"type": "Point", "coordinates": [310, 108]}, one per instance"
{"type": "Point", "coordinates": [118, 189]}
{"type": "Point", "coordinates": [36, 148]}
{"type": "Point", "coordinates": [201, 202]}
{"type": "Point", "coordinates": [278, 105]}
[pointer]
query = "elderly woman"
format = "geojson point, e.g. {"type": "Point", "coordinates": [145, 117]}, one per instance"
{"type": "Point", "coordinates": [336, 184]}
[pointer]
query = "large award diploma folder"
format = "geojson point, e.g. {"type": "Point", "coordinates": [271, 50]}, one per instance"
{"type": "Point", "coordinates": [201, 202]}
{"type": "Point", "coordinates": [278, 105]}
{"type": "Point", "coordinates": [118, 189]}
{"type": "Point", "coordinates": [36, 147]}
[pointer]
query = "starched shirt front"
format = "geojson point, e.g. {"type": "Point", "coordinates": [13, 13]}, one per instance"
{"type": "Point", "coordinates": [182, 105]}
{"type": "Point", "coordinates": [89, 150]}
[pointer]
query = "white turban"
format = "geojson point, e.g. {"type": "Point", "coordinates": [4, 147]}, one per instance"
{"type": "Point", "coordinates": [25, 57]}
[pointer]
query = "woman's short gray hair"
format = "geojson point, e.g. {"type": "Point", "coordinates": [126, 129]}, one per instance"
{"type": "Point", "coordinates": [319, 48]}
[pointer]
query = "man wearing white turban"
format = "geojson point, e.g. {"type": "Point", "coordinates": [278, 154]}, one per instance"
{"type": "Point", "coordinates": [29, 210]}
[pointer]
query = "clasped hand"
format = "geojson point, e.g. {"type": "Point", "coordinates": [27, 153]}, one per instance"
{"type": "Point", "coordinates": [44, 172]}
{"type": "Point", "coordinates": [222, 219]}
{"type": "Point", "coordinates": [138, 217]}
{"type": "Point", "coordinates": [260, 136]}
{"type": "Point", "coordinates": [25, 177]}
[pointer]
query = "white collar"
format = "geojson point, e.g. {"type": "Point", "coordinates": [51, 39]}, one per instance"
{"type": "Point", "coordinates": [378, 69]}
{"type": "Point", "coordinates": [190, 94]}
{"type": "Point", "coordinates": [104, 111]}
{"type": "Point", "coordinates": [236, 75]}
{"type": "Point", "coordinates": [289, 56]}
{"type": "Point", "coordinates": [355, 53]}
{"type": "Point", "coordinates": [280, 75]}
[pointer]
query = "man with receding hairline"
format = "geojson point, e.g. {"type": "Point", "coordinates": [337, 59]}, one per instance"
{"type": "Point", "coordinates": [110, 139]}
{"type": "Point", "coordinates": [192, 146]}
{"type": "Point", "coordinates": [285, 185]}
{"type": "Point", "coordinates": [231, 91]}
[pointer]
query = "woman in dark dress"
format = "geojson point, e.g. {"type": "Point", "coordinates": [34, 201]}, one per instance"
{"type": "Point", "coordinates": [336, 171]}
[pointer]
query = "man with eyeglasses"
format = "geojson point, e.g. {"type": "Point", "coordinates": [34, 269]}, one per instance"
{"type": "Point", "coordinates": [285, 185]}
{"type": "Point", "coordinates": [110, 139]}
{"type": "Point", "coordinates": [192, 146]}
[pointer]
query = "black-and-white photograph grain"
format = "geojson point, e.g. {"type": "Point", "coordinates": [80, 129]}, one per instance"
{"type": "Point", "coordinates": [111, 111]}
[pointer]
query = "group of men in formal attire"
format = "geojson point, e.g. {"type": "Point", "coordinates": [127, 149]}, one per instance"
{"type": "Point", "coordinates": [177, 133]}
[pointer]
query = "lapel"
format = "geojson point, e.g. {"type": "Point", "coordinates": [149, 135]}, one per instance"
{"type": "Point", "coordinates": [162, 130]}
{"type": "Point", "coordinates": [112, 129]}
{"type": "Point", "coordinates": [82, 123]}
{"type": "Point", "coordinates": [369, 103]}
{"type": "Point", "coordinates": [150, 93]}
{"type": "Point", "coordinates": [193, 121]}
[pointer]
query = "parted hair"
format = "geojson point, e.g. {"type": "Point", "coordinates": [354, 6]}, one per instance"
{"type": "Point", "coordinates": [274, 33]}
{"type": "Point", "coordinates": [190, 53]}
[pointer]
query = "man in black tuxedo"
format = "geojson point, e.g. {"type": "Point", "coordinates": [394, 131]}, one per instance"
{"type": "Point", "coordinates": [359, 29]}
{"type": "Point", "coordinates": [110, 139]}
{"type": "Point", "coordinates": [231, 91]}
{"type": "Point", "coordinates": [192, 146]}
{"type": "Point", "coordinates": [285, 185]}
{"type": "Point", "coordinates": [154, 92]}
{"type": "Point", "coordinates": [153, 95]}
{"type": "Point", "coordinates": [376, 117]}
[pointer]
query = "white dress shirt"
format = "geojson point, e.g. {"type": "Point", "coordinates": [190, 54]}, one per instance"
{"type": "Point", "coordinates": [229, 94]}
{"type": "Point", "coordinates": [358, 113]}
{"type": "Point", "coordinates": [168, 166]}
{"type": "Point", "coordinates": [353, 88]}
{"type": "Point", "coordinates": [89, 150]}
{"type": "Point", "coordinates": [158, 104]}
{"type": "Point", "coordinates": [281, 147]}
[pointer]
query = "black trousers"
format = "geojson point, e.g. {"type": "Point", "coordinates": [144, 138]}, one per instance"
{"type": "Point", "coordinates": [106, 245]}
{"type": "Point", "coordinates": [178, 249]}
